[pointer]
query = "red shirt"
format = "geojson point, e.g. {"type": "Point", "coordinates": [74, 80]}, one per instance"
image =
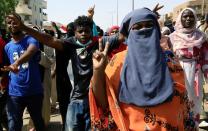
{"type": "Point", "coordinates": [2, 44]}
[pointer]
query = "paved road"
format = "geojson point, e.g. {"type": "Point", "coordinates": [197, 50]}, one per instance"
{"type": "Point", "coordinates": [55, 122]}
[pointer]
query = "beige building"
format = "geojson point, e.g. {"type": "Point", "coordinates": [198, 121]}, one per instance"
{"type": "Point", "coordinates": [200, 6]}
{"type": "Point", "coordinates": [32, 12]}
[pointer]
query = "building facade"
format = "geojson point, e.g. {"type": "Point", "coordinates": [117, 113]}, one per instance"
{"type": "Point", "coordinates": [32, 11]}
{"type": "Point", "coordinates": [200, 6]}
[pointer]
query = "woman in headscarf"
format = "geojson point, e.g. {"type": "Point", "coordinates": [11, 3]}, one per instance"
{"type": "Point", "coordinates": [136, 91]}
{"type": "Point", "coordinates": [114, 30]}
{"type": "Point", "coordinates": [190, 47]}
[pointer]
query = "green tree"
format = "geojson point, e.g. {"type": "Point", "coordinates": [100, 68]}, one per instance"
{"type": "Point", "coordinates": [6, 7]}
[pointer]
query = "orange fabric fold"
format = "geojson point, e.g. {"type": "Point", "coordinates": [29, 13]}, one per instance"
{"type": "Point", "coordinates": [168, 116]}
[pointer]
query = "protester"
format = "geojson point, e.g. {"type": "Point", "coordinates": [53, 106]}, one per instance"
{"type": "Point", "coordinates": [100, 31]}
{"type": "Point", "coordinates": [3, 86]}
{"type": "Point", "coordinates": [25, 89]}
{"type": "Point", "coordinates": [169, 24]}
{"type": "Point", "coordinates": [165, 31]}
{"type": "Point", "coordinates": [45, 63]}
{"type": "Point", "coordinates": [80, 49]}
{"type": "Point", "coordinates": [190, 47]}
{"type": "Point", "coordinates": [5, 35]}
{"type": "Point", "coordinates": [70, 29]}
{"type": "Point", "coordinates": [114, 30]}
{"type": "Point", "coordinates": [165, 41]}
{"type": "Point", "coordinates": [47, 59]}
{"type": "Point", "coordinates": [202, 25]}
{"type": "Point", "coordinates": [63, 84]}
{"type": "Point", "coordinates": [136, 91]}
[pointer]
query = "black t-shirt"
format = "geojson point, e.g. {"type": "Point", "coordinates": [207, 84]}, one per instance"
{"type": "Point", "coordinates": [82, 65]}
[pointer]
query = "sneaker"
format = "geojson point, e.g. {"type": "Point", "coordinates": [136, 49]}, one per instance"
{"type": "Point", "coordinates": [203, 124]}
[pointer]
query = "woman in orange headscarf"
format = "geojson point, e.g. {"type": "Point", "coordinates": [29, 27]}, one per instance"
{"type": "Point", "coordinates": [137, 91]}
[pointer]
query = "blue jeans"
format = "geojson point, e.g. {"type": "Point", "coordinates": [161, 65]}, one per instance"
{"type": "Point", "coordinates": [78, 116]}
{"type": "Point", "coordinates": [15, 109]}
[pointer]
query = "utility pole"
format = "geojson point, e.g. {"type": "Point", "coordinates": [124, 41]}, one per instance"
{"type": "Point", "coordinates": [112, 19]}
{"type": "Point", "coordinates": [203, 9]}
{"type": "Point", "coordinates": [132, 5]}
{"type": "Point", "coordinates": [117, 14]}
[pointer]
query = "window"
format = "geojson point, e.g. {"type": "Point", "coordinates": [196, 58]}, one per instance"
{"type": "Point", "coordinates": [27, 18]}
{"type": "Point", "coordinates": [40, 10]}
{"type": "Point", "coordinates": [197, 7]}
{"type": "Point", "coordinates": [26, 2]}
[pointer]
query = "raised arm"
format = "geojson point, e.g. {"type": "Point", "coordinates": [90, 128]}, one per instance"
{"type": "Point", "coordinates": [57, 30]}
{"type": "Point", "coordinates": [41, 37]}
{"type": "Point", "coordinates": [91, 12]}
{"type": "Point", "coordinates": [98, 79]}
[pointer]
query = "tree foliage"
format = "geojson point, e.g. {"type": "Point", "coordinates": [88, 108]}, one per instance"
{"type": "Point", "coordinates": [6, 7]}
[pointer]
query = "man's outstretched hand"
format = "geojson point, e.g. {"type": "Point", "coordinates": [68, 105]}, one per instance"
{"type": "Point", "coordinates": [13, 68]}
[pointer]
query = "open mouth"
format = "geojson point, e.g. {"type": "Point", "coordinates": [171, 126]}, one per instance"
{"type": "Point", "coordinates": [83, 40]}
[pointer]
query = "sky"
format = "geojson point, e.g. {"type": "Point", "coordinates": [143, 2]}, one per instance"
{"type": "Point", "coordinates": [65, 11]}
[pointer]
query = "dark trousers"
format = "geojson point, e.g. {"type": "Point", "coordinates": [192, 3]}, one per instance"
{"type": "Point", "coordinates": [15, 109]}
{"type": "Point", "coordinates": [63, 93]}
{"type": "Point", "coordinates": [3, 116]}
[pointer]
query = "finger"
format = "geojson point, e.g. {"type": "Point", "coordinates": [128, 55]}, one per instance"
{"type": "Point", "coordinates": [160, 7]}
{"type": "Point", "coordinates": [93, 7]}
{"type": "Point", "coordinates": [6, 68]}
{"type": "Point", "coordinates": [3, 69]}
{"type": "Point", "coordinates": [107, 45]}
{"type": "Point", "coordinates": [157, 5]}
{"type": "Point", "coordinates": [95, 56]}
{"type": "Point", "coordinates": [100, 45]}
{"type": "Point", "coordinates": [98, 55]}
{"type": "Point", "coordinates": [155, 8]}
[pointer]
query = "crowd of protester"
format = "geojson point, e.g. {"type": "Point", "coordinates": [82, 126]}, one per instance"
{"type": "Point", "coordinates": [141, 75]}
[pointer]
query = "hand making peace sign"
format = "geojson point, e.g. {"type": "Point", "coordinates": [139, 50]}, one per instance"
{"type": "Point", "coordinates": [100, 57]}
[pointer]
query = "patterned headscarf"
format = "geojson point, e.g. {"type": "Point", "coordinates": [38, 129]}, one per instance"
{"type": "Point", "coordinates": [186, 37]}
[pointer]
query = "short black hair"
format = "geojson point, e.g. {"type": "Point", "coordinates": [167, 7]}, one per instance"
{"type": "Point", "coordinates": [83, 21]}
{"type": "Point", "coordinates": [70, 26]}
{"type": "Point", "coordinates": [100, 31]}
{"type": "Point", "coordinates": [70, 29]}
